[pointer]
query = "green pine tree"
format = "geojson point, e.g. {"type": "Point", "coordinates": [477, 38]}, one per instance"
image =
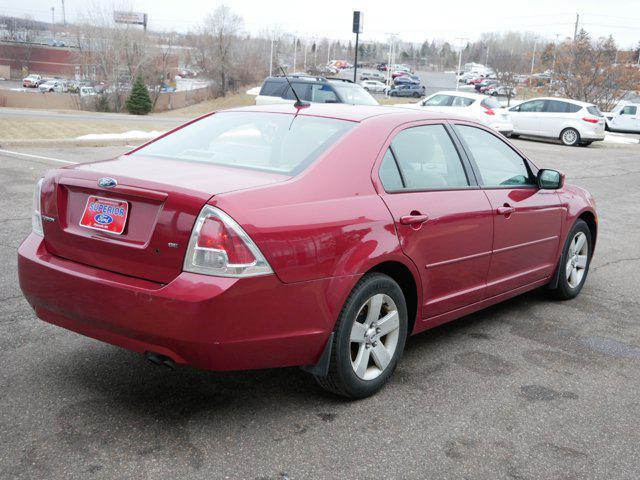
{"type": "Point", "coordinates": [139, 101]}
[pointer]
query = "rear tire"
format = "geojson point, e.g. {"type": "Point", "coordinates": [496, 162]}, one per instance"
{"type": "Point", "coordinates": [574, 262]}
{"type": "Point", "coordinates": [570, 137]}
{"type": "Point", "coordinates": [369, 338]}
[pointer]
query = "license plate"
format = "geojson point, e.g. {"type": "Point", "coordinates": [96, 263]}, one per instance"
{"type": "Point", "coordinates": [105, 214]}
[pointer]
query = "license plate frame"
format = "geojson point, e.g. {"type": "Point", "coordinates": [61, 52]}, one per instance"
{"type": "Point", "coordinates": [88, 219]}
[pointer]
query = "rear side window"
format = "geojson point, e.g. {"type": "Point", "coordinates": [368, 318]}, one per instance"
{"type": "Point", "coordinates": [593, 110]}
{"type": "Point", "coordinates": [556, 106]}
{"type": "Point", "coordinates": [272, 89]}
{"type": "Point", "coordinates": [280, 143]}
{"type": "Point", "coordinates": [498, 164]}
{"type": "Point", "coordinates": [389, 173]}
{"type": "Point", "coordinates": [490, 103]}
{"type": "Point", "coordinates": [428, 159]}
{"type": "Point", "coordinates": [462, 102]}
{"type": "Point", "coordinates": [302, 89]}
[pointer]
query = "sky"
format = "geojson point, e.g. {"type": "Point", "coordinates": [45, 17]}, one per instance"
{"type": "Point", "coordinates": [412, 20]}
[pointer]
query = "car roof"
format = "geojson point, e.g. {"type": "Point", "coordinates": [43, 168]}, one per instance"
{"type": "Point", "coordinates": [562, 99]}
{"type": "Point", "coordinates": [475, 96]}
{"type": "Point", "coordinates": [353, 113]}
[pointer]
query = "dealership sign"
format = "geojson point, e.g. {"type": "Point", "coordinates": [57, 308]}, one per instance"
{"type": "Point", "coordinates": [135, 18]}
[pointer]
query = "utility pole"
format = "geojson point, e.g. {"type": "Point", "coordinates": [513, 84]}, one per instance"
{"type": "Point", "coordinates": [357, 29]}
{"type": "Point", "coordinates": [392, 41]}
{"type": "Point", "coordinates": [328, 51]}
{"type": "Point", "coordinates": [575, 29]}
{"type": "Point", "coordinates": [305, 55]}
{"type": "Point", "coordinates": [553, 63]}
{"type": "Point", "coordinates": [53, 21]}
{"type": "Point", "coordinates": [462, 39]}
{"type": "Point", "coordinates": [295, 52]}
{"type": "Point", "coordinates": [533, 58]}
{"type": "Point", "coordinates": [64, 16]}
{"type": "Point", "coordinates": [486, 58]}
{"type": "Point", "coordinates": [271, 58]}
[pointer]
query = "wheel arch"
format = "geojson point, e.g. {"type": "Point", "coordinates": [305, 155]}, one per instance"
{"type": "Point", "coordinates": [405, 278]}
{"type": "Point", "coordinates": [590, 219]}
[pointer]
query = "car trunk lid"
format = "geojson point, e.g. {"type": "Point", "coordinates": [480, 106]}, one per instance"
{"type": "Point", "coordinates": [164, 198]}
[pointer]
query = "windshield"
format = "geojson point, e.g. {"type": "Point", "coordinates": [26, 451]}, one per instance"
{"type": "Point", "coordinates": [273, 142]}
{"type": "Point", "coordinates": [354, 94]}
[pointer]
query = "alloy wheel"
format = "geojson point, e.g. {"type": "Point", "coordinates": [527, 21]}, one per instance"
{"type": "Point", "coordinates": [374, 336]}
{"type": "Point", "coordinates": [569, 137]}
{"type": "Point", "coordinates": [577, 257]}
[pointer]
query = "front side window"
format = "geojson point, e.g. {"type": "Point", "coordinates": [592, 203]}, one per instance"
{"type": "Point", "coordinates": [532, 106]}
{"type": "Point", "coordinates": [279, 143]}
{"type": "Point", "coordinates": [498, 164]}
{"type": "Point", "coordinates": [629, 110]}
{"type": "Point", "coordinates": [428, 159]}
{"type": "Point", "coordinates": [438, 101]}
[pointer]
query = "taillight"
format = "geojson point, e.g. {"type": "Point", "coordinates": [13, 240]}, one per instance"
{"type": "Point", "coordinates": [590, 120]}
{"type": "Point", "coordinates": [219, 246]}
{"type": "Point", "coordinates": [36, 215]}
{"type": "Point", "coordinates": [488, 111]}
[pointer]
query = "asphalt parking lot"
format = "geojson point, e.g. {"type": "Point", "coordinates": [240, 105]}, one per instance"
{"type": "Point", "coordinates": [529, 389]}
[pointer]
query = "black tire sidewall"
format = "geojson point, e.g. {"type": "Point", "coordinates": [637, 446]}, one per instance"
{"type": "Point", "coordinates": [370, 285]}
{"type": "Point", "coordinates": [565, 290]}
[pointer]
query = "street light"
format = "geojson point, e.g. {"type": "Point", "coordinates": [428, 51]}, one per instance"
{"type": "Point", "coordinates": [459, 60]}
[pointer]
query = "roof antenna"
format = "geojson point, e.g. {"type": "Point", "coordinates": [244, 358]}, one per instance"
{"type": "Point", "coordinates": [299, 103]}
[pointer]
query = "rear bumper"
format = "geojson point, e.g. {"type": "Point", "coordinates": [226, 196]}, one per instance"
{"type": "Point", "coordinates": [209, 322]}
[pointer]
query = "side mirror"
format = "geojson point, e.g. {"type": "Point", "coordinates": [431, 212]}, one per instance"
{"type": "Point", "coordinates": [550, 179]}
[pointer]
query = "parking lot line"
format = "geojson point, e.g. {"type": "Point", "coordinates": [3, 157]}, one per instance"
{"type": "Point", "coordinates": [28, 155]}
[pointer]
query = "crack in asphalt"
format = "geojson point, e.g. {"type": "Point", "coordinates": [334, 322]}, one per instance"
{"type": "Point", "coordinates": [615, 262]}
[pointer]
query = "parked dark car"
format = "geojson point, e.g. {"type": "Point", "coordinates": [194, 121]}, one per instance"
{"type": "Point", "coordinates": [485, 84]}
{"type": "Point", "coordinates": [407, 90]}
{"type": "Point", "coordinates": [407, 80]}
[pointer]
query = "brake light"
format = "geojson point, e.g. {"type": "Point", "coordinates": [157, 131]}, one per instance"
{"type": "Point", "coordinates": [489, 111]}
{"type": "Point", "coordinates": [36, 216]}
{"type": "Point", "coordinates": [219, 246]}
{"type": "Point", "coordinates": [590, 120]}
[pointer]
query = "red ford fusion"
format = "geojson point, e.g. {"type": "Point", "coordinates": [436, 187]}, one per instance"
{"type": "Point", "coordinates": [318, 237]}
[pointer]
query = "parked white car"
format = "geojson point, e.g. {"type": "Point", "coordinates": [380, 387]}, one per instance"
{"type": "Point", "coordinates": [625, 118]}
{"type": "Point", "coordinates": [31, 81]}
{"type": "Point", "coordinates": [53, 86]}
{"type": "Point", "coordinates": [480, 108]}
{"type": "Point", "coordinates": [373, 86]}
{"type": "Point", "coordinates": [570, 121]}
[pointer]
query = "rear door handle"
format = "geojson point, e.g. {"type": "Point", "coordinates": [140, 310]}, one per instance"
{"type": "Point", "coordinates": [506, 210]}
{"type": "Point", "coordinates": [414, 219]}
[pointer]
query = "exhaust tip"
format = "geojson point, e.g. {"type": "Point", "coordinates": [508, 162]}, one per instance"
{"type": "Point", "coordinates": [159, 360]}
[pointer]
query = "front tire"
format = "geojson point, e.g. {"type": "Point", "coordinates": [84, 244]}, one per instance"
{"type": "Point", "coordinates": [369, 338]}
{"type": "Point", "coordinates": [574, 262]}
{"type": "Point", "coordinates": [570, 137]}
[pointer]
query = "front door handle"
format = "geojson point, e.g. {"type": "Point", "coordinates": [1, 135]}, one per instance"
{"type": "Point", "coordinates": [506, 210]}
{"type": "Point", "coordinates": [414, 219]}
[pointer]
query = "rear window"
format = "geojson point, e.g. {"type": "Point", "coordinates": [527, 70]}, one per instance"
{"type": "Point", "coordinates": [593, 110]}
{"type": "Point", "coordinates": [272, 142]}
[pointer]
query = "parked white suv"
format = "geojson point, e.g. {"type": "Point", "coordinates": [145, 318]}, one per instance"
{"type": "Point", "coordinates": [570, 121]}
{"type": "Point", "coordinates": [373, 86]}
{"type": "Point", "coordinates": [625, 118]}
{"type": "Point", "coordinates": [480, 108]}
{"type": "Point", "coordinates": [313, 89]}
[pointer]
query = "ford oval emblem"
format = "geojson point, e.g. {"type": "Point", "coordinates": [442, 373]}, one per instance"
{"type": "Point", "coordinates": [107, 182]}
{"type": "Point", "coordinates": [103, 219]}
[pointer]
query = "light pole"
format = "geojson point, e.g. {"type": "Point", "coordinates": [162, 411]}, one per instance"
{"type": "Point", "coordinates": [53, 21]}
{"type": "Point", "coordinates": [533, 57]}
{"type": "Point", "coordinates": [392, 39]}
{"type": "Point", "coordinates": [295, 52]}
{"type": "Point", "coordinates": [459, 60]}
{"type": "Point", "coordinates": [305, 55]}
{"type": "Point", "coordinates": [271, 58]}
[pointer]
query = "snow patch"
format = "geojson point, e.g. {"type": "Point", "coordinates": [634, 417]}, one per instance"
{"type": "Point", "coordinates": [130, 135]}
{"type": "Point", "coordinates": [254, 91]}
{"type": "Point", "coordinates": [613, 138]}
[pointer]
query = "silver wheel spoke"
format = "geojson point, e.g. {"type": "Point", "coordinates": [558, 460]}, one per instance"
{"type": "Point", "coordinates": [573, 279]}
{"type": "Point", "coordinates": [569, 269]}
{"type": "Point", "coordinates": [381, 356]}
{"type": "Point", "coordinates": [580, 241]}
{"type": "Point", "coordinates": [375, 305]}
{"type": "Point", "coordinates": [581, 261]}
{"type": "Point", "coordinates": [362, 361]}
{"type": "Point", "coordinates": [389, 323]}
{"type": "Point", "coordinates": [358, 332]}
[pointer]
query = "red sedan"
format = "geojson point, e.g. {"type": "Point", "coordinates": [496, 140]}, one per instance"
{"type": "Point", "coordinates": [319, 237]}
